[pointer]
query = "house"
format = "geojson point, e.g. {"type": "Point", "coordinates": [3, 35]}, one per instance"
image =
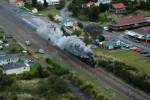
{"type": "Point", "coordinates": [50, 2]}
{"type": "Point", "coordinates": [17, 2]}
{"type": "Point", "coordinates": [68, 22]}
{"type": "Point", "coordinates": [118, 8]}
{"type": "Point", "coordinates": [97, 2]}
{"type": "Point", "coordinates": [15, 68]}
{"type": "Point", "coordinates": [12, 1]}
{"type": "Point", "coordinates": [128, 23]}
{"type": "Point", "coordinates": [7, 59]}
{"type": "Point", "coordinates": [104, 1]}
{"type": "Point", "coordinates": [115, 44]}
{"type": "Point", "coordinates": [109, 44]}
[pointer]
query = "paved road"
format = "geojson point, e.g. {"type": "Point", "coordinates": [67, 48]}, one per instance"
{"type": "Point", "coordinates": [15, 26]}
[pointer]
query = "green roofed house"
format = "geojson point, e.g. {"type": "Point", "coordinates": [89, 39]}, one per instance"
{"type": "Point", "coordinates": [68, 22]}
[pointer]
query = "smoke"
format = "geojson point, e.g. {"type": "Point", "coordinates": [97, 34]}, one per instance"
{"type": "Point", "coordinates": [72, 44]}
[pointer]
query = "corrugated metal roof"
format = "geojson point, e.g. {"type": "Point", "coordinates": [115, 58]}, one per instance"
{"type": "Point", "coordinates": [118, 6]}
{"type": "Point", "coordinates": [129, 20]}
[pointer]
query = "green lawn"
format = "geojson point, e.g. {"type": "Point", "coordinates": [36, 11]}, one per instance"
{"type": "Point", "coordinates": [49, 10]}
{"type": "Point", "coordinates": [129, 57]}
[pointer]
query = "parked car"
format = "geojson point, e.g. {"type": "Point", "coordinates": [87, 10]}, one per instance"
{"type": "Point", "coordinates": [41, 51]}
{"type": "Point", "coordinates": [106, 28]}
{"type": "Point", "coordinates": [137, 41]}
{"type": "Point", "coordinates": [28, 43]}
{"type": "Point", "coordinates": [147, 55]}
{"type": "Point", "coordinates": [143, 52]}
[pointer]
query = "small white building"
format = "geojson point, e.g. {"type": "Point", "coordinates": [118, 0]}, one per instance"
{"type": "Point", "coordinates": [104, 1]}
{"type": "Point", "coordinates": [34, 10]}
{"type": "Point", "coordinates": [15, 68]}
{"type": "Point", "coordinates": [50, 2]}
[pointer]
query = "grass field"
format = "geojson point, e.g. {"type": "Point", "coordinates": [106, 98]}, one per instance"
{"type": "Point", "coordinates": [129, 57]}
{"type": "Point", "coordinates": [50, 10]}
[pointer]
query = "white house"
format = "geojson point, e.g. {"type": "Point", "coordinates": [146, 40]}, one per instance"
{"type": "Point", "coordinates": [50, 2]}
{"type": "Point", "coordinates": [15, 68]}
{"type": "Point", "coordinates": [7, 59]}
{"type": "Point", "coordinates": [104, 1]}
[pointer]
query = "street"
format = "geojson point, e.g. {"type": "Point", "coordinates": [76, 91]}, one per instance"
{"type": "Point", "coordinates": [14, 25]}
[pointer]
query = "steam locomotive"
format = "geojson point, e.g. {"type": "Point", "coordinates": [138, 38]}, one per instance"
{"type": "Point", "coordinates": [78, 48]}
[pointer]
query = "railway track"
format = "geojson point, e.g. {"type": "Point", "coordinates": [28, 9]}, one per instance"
{"type": "Point", "coordinates": [125, 90]}
{"type": "Point", "coordinates": [17, 28]}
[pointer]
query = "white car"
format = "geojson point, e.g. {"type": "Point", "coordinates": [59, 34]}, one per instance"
{"type": "Point", "coordinates": [28, 43]}
{"type": "Point", "coordinates": [41, 51]}
{"type": "Point", "coordinates": [106, 28]}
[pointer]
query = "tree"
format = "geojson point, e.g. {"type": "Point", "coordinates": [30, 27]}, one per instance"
{"type": "Point", "coordinates": [1, 73]}
{"type": "Point", "coordinates": [93, 13]}
{"type": "Point", "coordinates": [77, 32]}
{"type": "Point", "coordinates": [58, 85]}
{"type": "Point", "coordinates": [38, 71]}
{"type": "Point", "coordinates": [39, 6]}
{"type": "Point", "coordinates": [104, 7]}
{"type": "Point", "coordinates": [51, 17]}
{"type": "Point", "coordinates": [76, 7]}
{"type": "Point", "coordinates": [103, 18]}
{"type": "Point", "coordinates": [61, 4]}
{"type": "Point", "coordinates": [34, 3]}
{"type": "Point", "coordinates": [45, 4]}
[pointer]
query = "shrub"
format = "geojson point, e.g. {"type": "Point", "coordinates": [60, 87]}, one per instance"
{"type": "Point", "coordinates": [127, 73]}
{"type": "Point", "coordinates": [56, 68]}
{"type": "Point", "coordinates": [50, 16]}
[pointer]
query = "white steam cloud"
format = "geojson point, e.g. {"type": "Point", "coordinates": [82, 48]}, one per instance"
{"type": "Point", "coordinates": [72, 44]}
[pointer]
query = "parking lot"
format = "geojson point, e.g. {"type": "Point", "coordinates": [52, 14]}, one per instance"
{"type": "Point", "coordinates": [141, 47]}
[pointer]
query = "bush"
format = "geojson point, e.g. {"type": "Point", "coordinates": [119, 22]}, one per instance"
{"type": "Point", "coordinates": [50, 16]}
{"type": "Point", "coordinates": [56, 68]}
{"type": "Point", "coordinates": [61, 4]}
{"type": "Point", "coordinates": [6, 81]}
{"type": "Point", "coordinates": [87, 87]}
{"type": "Point", "coordinates": [77, 32]}
{"type": "Point", "coordinates": [58, 85]}
{"type": "Point", "coordinates": [127, 73]}
{"type": "Point", "coordinates": [36, 71]}
{"type": "Point", "coordinates": [25, 76]}
{"type": "Point", "coordinates": [80, 24]}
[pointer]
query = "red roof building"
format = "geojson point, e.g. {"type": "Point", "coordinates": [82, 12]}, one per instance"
{"type": "Point", "coordinates": [16, 2]}
{"type": "Point", "coordinates": [129, 22]}
{"type": "Point", "coordinates": [118, 8]}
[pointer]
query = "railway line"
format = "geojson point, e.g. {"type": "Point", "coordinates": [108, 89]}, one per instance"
{"type": "Point", "coordinates": [15, 26]}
